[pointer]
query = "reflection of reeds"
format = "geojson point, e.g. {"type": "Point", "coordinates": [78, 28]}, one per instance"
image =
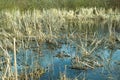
{"type": "Point", "coordinates": [63, 76]}
{"type": "Point", "coordinates": [50, 25]}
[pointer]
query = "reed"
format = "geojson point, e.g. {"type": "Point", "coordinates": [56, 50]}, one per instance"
{"type": "Point", "coordinates": [15, 62]}
{"type": "Point", "coordinates": [81, 27]}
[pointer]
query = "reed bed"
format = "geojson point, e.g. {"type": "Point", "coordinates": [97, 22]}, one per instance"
{"type": "Point", "coordinates": [87, 27]}
{"type": "Point", "coordinates": [42, 23]}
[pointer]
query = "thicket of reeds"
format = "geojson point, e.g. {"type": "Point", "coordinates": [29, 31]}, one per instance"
{"type": "Point", "coordinates": [87, 27]}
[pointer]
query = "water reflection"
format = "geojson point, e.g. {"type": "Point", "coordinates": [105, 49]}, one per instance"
{"type": "Point", "coordinates": [54, 66]}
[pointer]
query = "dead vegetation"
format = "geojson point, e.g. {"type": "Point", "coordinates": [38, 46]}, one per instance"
{"type": "Point", "coordinates": [87, 30]}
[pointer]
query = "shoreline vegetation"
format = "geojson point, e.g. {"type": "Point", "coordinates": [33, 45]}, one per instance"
{"type": "Point", "coordinates": [58, 4]}
{"type": "Point", "coordinates": [87, 28]}
{"type": "Point", "coordinates": [52, 23]}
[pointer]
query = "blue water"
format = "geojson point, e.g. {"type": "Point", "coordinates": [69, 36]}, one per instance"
{"type": "Point", "coordinates": [56, 66]}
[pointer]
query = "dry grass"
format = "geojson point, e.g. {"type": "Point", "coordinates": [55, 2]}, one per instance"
{"type": "Point", "coordinates": [52, 25]}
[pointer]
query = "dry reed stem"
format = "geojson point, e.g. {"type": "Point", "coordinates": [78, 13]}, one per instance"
{"type": "Point", "coordinates": [7, 56]}
{"type": "Point", "coordinates": [15, 61]}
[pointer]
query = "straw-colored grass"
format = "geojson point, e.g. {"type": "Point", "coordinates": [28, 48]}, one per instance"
{"type": "Point", "coordinates": [52, 25]}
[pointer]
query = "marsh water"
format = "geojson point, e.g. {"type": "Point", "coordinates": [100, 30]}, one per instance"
{"type": "Point", "coordinates": [63, 45]}
{"type": "Point", "coordinates": [62, 65]}
{"type": "Point", "coordinates": [55, 66]}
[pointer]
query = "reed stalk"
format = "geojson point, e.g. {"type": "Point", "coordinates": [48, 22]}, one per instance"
{"type": "Point", "coordinates": [15, 61]}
